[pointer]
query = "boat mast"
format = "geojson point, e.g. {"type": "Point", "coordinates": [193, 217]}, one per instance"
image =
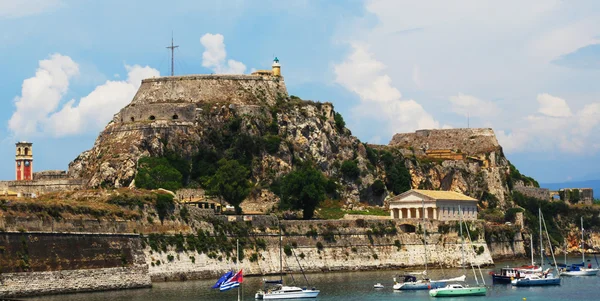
{"type": "Point", "coordinates": [541, 245]}
{"type": "Point", "coordinates": [462, 239]}
{"type": "Point", "coordinates": [582, 243]}
{"type": "Point", "coordinates": [424, 235]}
{"type": "Point", "coordinates": [550, 244]}
{"type": "Point", "coordinates": [531, 250]}
{"type": "Point", "coordinates": [237, 250]}
{"type": "Point", "coordinates": [280, 258]}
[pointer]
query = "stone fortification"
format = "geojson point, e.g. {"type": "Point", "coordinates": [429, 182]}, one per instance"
{"type": "Point", "coordinates": [534, 192]}
{"type": "Point", "coordinates": [236, 89]}
{"type": "Point", "coordinates": [469, 161]}
{"type": "Point", "coordinates": [50, 263]}
{"type": "Point", "coordinates": [468, 141]}
{"type": "Point", "coordinates": [346, 246]}
{"type": "Point", "coordinates": [39, 187]}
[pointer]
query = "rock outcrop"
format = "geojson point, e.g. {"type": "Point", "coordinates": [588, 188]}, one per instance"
{"type": "Point", "coordinates": [186, 114]}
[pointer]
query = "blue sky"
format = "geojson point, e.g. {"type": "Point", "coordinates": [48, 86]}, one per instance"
{"type": "Point", "coordinates": [527, 70]}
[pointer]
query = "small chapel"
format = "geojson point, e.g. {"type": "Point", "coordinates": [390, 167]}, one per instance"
{"type": "Point", "coordinates": [433, 205]}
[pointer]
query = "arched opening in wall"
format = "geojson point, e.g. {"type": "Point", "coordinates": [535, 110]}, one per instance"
{"type": "Point", "coordinates": [132, 119]}
{"type": "Point", "coordinates": [19, 151]}
{"type": "Point", "coordinates": [406, 228]}
{"type": "Point", "coordinates": [175, 117]}
{"type": "Point", "coordinates": [26, 151]}
{"type": "Point", "coordinates": [152, 117]}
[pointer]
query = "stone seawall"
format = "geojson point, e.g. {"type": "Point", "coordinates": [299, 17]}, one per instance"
{"type": "Point", "coordinates": [346, 248]}
{"type": "Point", "coordinates": [50, 263]}
{"type": "Point", "coordinates": [14, 285]}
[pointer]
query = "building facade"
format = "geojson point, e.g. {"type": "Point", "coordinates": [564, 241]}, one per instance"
{"type": "Point", "coordinates": [434, 205]}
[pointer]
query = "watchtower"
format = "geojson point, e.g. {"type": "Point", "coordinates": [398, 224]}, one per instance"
{"type": "Point", "coordinates": [24, 161]}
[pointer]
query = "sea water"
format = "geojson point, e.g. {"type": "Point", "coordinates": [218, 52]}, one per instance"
{"type": "Point", "coordinates": [352, 286]}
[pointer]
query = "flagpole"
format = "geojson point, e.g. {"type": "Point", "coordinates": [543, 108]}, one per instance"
{"type": "Point", "coordinates": [237, 243]}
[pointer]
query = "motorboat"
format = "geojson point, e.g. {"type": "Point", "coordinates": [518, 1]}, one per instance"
{"type": "Point", "coordinates": [286, 292]}
{"type": "Point", "coordinates": [378, 285]}
{"type": "Point", "coordinates": [506, 275]}
{"type": "Point", "coordinates": [456, 290]}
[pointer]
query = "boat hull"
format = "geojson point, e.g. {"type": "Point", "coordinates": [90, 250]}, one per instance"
{"type": "Point", "coordinates": [536, 282]}
{"type": "Point", "coordinates": [456, 292]}
{"type": "Point", "coordinates": [413, 286]}
{"type": "Point", "coordinates": [275, 295]}
{"type": "Point", "coordinates": [582, 272]}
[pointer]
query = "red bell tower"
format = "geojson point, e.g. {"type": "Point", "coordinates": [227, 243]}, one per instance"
{"type": "Point", "coordinates": [24, 161]}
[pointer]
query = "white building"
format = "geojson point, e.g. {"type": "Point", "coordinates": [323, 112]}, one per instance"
{"type": "Point", "coordinates": [434, 204]}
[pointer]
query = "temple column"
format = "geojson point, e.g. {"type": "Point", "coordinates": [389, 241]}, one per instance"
{"type": "Point", "coordinates": [400, 214]}
{"type": "Point", "coordinates": [435, 213]}
{"type": "Point", "coordinates": [409, 211]}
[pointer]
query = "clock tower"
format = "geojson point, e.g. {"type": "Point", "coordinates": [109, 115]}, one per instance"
{"type": "Point", "coordinates": [24, 161]}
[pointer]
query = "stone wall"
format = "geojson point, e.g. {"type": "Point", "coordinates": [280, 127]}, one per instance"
{"type": "Point", "coordinates": [51, 263]}
{"type": "Point", "coordinates": [221, 89]}
{"type": "Point", "coordinates": [39, 187]}
{"type": "Point", "coordinates": [353, 247]}
{"type": "Point", "coordinates": [534, 192]}
{"type": "Point", "coordinates": [467, 141]}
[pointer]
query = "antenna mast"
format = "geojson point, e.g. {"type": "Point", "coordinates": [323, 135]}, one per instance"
{"type": "Point", "coordinates": [172, 47]}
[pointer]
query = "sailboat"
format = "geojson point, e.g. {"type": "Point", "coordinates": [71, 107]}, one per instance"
{"type": "Point", "coordinates": [455, 289]}
{"type": "Point", "coordinates": [280, 291]}
{"type": "Point", "coordinates": [545, 278]}
{"type": "Point", "coordinates": [576, 269]}
{"type": "Point", "coordinates": [410, 282]}
{"type": "Point", "coordinates": [508, 274]}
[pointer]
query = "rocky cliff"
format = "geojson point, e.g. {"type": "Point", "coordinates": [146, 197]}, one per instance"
{"type": "Point", "coordinates": [252, 119]}
{"type": "Point", "coordinates": [469, 161]}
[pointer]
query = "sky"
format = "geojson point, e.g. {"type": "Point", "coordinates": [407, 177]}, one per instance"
{"type": "Point", "coordinates": [526, 69]}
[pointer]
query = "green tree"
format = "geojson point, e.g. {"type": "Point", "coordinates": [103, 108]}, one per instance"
{"type": "Point", "coordinates": [397, 178]}
{"type": "Point", "coordinates": [156, 173]}
{"type": "Point", "coordinates": [230, 182]}
{"type": "Point", "coordinates": [350, 169]}
{"type": "Point", "coordinates": [378, 187]}
{"type": "Point", "coordinates": [303, 188]}
{"type": "Point", "coordinates": [339, 121]}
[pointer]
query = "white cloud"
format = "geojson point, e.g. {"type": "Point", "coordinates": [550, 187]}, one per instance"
{"type": "Point", "coordinates": [364, 75]}
{"type": "Point", "coordinates": [467, 105]}
{"type": "Point", "coordinates": [553, 106]}
{"type": "Point", "coordinates": [215, 54]}
{"type": "Point", "coordinates": [37, 109]}
{"type": "Point", "coordinates": [41, 94]}
{"type": "Point", "coordinates": [555, 127]}
{"type": "Point", "coordinates": [93, 111]}
{"type": "Point", "coordinates": [22, 8]}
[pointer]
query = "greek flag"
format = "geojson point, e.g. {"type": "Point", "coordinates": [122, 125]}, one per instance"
{"type": "Point", "coordinates": [232, 282]}
{"type": "Point", "coordinates": [223, 279]}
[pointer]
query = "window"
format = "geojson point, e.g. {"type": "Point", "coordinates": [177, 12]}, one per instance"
{"type": "Point", "coordinates": [132, 119]}
{"type": "Point", "coordinates": [152, 117]}
{"type": "Point", "coordinates": [175, 117]}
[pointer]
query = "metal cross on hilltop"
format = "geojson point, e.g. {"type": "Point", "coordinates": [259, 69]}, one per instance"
{"type": "Point", "coordinates": [172, 47]}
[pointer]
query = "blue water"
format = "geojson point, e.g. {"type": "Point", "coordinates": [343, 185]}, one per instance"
{"type": "Point", "coordinates": [349, 286]}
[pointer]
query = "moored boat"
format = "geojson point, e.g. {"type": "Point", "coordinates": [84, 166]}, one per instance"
{"type": "Point", "coordinates": [540, 279]}
{"type": "Point", "coordinates": [286, 292]}
{"type": "Point", "coordinates": [579, 269]}
{"type": "Point", "coordinates": [456, 290]}
{"type": "Point", "coordinates": [506, 275]}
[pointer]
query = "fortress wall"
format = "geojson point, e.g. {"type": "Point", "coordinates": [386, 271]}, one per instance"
{"type": "Point", "coordinates": [534, 192]}
{"type": "Point", "coordinates": [51, 263]}
{"type": "Point", "coordinates": [468, 141]}
{"type": "Point", "coordinates": [159, 111]}
{"type": "Point", "coordinates": [222, 89]}
{"type": "Point", "coordinates": [41, 186]}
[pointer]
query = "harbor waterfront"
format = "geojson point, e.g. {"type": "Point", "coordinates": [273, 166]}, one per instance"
{"type": "Point", "coordinates": [348, 286]}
